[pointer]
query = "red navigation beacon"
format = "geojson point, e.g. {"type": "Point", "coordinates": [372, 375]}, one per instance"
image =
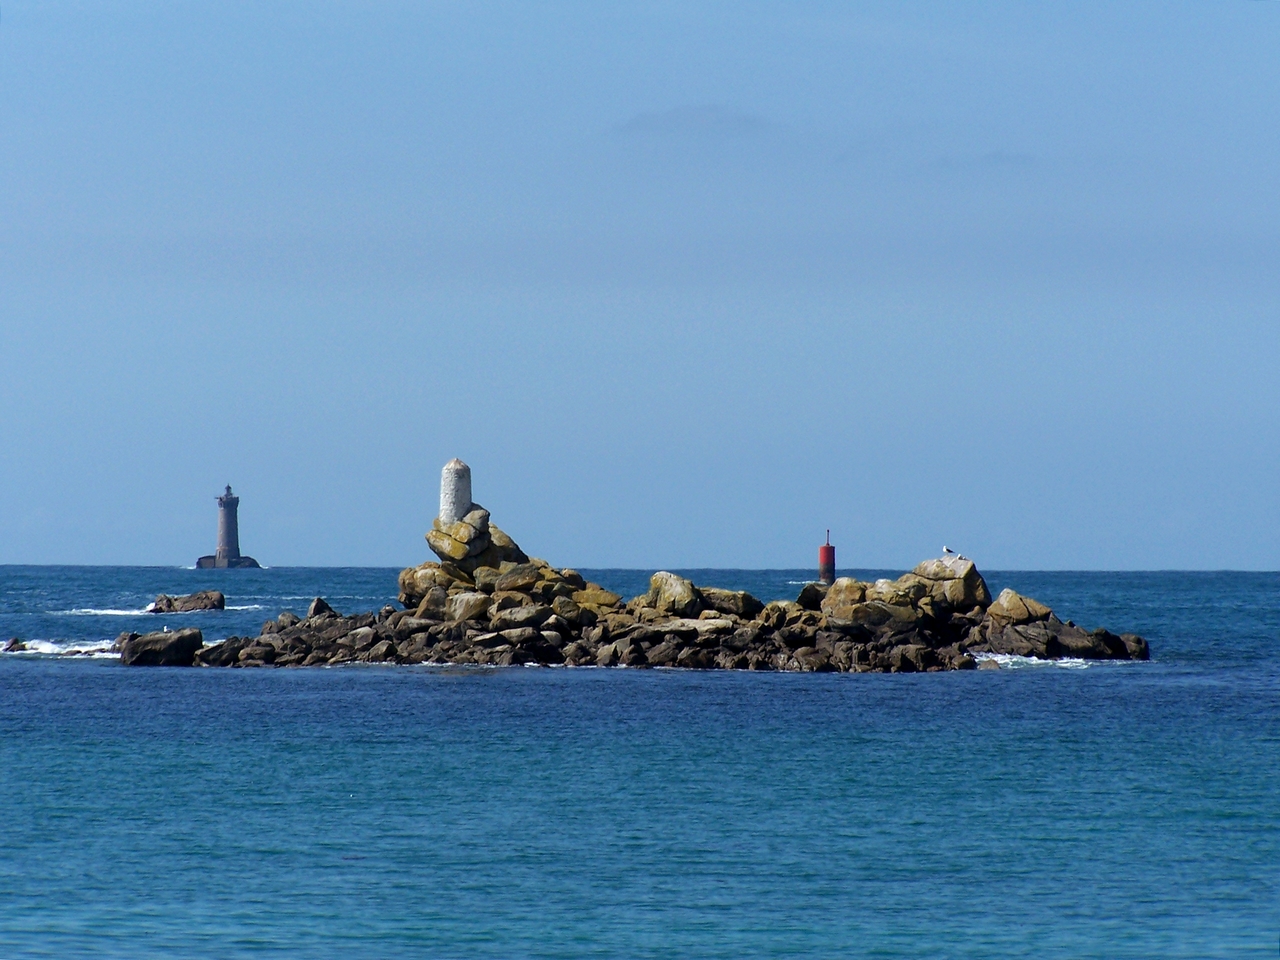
{"type": "Point", "coordinates": [827, 562]}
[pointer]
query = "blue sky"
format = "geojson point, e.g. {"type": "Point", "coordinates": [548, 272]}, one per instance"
{"type": "Point", "coordinates": [685, 284]}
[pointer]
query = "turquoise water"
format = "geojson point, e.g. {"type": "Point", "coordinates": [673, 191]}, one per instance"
{"type": "Point", "coordinates": [1121, 810]}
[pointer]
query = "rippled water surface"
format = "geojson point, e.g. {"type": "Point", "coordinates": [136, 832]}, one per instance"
{"type": "Point", "coordinates": [1123, 810]}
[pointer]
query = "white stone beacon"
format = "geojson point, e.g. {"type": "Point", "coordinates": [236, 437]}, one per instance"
{"type": "Point", "coordinates": [455, 491]}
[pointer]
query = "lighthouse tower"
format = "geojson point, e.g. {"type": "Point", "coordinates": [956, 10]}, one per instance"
{"type": "Point", "coordinates": [228, 528]}
{"type": "Point", "coordinates": [228, 551]}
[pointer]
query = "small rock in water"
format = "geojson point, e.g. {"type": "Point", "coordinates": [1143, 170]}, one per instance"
{"type": "Point", "coordinates": [203, 600]}
{"type": "Point", "coordinates": [14, 646]}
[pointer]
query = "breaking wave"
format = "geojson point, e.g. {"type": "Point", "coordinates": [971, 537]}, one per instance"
{"type": "Point", "coordinates": [96, 648]}
{"type": "Point", "coordinates": [1011, 661]}
{"type": "Point", "coordinates": [96, 612]}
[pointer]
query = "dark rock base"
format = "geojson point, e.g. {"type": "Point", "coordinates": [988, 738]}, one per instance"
{"type": "Point", "coordinates": [515, 628]}
{"type": "Point", "coordinates": [239, 563]}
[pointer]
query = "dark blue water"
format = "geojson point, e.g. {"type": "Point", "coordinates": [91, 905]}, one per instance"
{"type": "Point", "coordinates": [1121, 810]}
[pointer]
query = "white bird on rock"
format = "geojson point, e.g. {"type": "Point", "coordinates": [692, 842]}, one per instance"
{"type": "Point", "coordinates": [947, 551]}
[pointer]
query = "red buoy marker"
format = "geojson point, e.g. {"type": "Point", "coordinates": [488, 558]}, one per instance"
{"type": "Point", "coordinates": [827, 562]}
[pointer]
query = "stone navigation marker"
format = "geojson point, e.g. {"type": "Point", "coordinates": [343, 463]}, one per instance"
{"type": "Point", "coordinates": [455, 491]}
{"type": "Point", "coordinates": [227, 554]}
{"type": "Point", "coordinates": [462, 534]}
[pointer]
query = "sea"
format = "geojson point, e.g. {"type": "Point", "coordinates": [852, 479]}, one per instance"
{"type": "Point", "coordinates": [1072, 809]}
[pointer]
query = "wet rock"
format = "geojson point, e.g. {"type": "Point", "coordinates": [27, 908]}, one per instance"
{"type": "Point", "coordinates": [14, 645]}
{"type": "Point", "coordinates": [222, 654]}
{"type": "Point", "coordinates": [169, 648]}
{"type": "Point", "coordinates": [202, 600]}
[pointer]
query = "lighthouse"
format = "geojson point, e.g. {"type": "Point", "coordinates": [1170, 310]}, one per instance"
{"type": "Point", "coordinates": [227, 554]}
{"type": "Point", "coordinates": [228, 528]}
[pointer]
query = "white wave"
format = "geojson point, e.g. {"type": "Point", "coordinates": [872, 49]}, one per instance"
{"type": "Point", "coordinates": [96, 612]}
{"type": "Point", "coordinates": [1013, 662]}
{"type": "Point", "coordinates": [79, 648]}
{"type": "Point", "coordinates": [248, 606]}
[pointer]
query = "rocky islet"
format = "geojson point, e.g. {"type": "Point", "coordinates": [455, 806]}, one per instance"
{"type": "Point", "coordinates": [484, 601]}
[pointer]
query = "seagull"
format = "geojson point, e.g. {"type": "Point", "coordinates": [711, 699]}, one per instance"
{"type": "Point", "coordinates": [947, 551]}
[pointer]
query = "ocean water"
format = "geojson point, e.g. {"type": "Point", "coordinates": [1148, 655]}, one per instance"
{"type": "Point", "coordinates": [1100, 810]}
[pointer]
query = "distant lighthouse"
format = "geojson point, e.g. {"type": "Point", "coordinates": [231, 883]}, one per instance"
{"type": "Point", "coordinates": [228, 528]}
{"type": "Point", "coordinates": [227, 554]}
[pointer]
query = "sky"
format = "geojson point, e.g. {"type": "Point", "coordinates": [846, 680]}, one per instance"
{"type": "Point", "coordinates": [685, 284]}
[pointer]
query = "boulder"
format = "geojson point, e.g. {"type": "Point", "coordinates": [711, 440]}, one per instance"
{"type": "Point", "coordinates": [777, 613]}
{"type": "Point", "coordinates": [593, 595]}
{"type": "Point", "coordinates": [954, 581]}
{"type": "Point", "coordinates": [1012, 607]}
{"type": "Point", "coordinates": [445, 547]}
{"type": "Point", "coordinates": [737, 602]}
{"type": "Point", "coordinates": [416, 582]}
{"type": "Point", "coordinates": [505, 546]}
{"type": "Point", "coordinates": [811, 595]}
{"type": "Point", "coordinates": [512, 617]}
{"type": "Point", "coordinates": [521, 577]}
{"type": "Point", "coordinates": [319, 608]}
{"type": "Point", "coordinates": [202, 600]}
{"type": "Point", "coordinates": [1051, 639]}
{"type": "Point", "coordinates": [168, 648]}
{"type": "Point", "coordinates": [876, 614]}
{"type": "Point", "coordinates": [841, 596]}
{"type": "Point", "coordinates": [903, 592]}
{"type": "Point", "coordinates": [222, 654]}
{"type": "Point", "coordinates": [467, 606]}
{"type": "Point", "coordinates": [671, 594]}
{"type": "Point", "coordinates": [432, 605]}
{"type": "Point", "coordinates": [473, 542]}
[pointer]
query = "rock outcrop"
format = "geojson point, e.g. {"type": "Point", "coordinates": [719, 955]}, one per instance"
{"type": "Point", "coordinates": [940, 616]}
{"type": "Point", "coordinates": [176, 648]}
{"type": "Point", "coordinates": [203, 600]}
{"type": "Point", "coordinates": [484, 601]}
